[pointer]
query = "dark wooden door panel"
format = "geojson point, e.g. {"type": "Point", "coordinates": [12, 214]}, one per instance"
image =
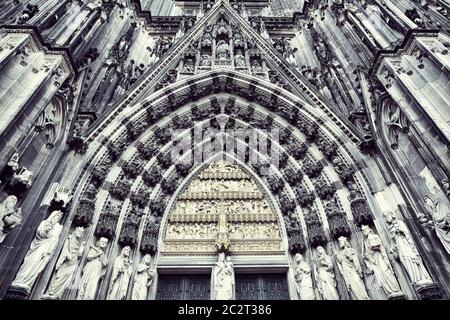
{"type": "Point", "coordinates": [248, 287]}
{"type": "Point", "coordinates": [261, 287]}
{"type": "Point", "coordinates": [169, 288]}
{"type": "Point", "coordinates": [184, 287]}
{"type": "Point", "coordinates": [275, 287]}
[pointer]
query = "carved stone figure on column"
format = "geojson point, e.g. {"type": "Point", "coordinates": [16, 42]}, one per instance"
{"type": "Point", "coordinates": [223, 279]}
{"type": "Point", "coordinates": [440, 213]}
{"type": "Point", "coordinates": [94, 270]}
{"type": "Point", "coordinates": [40, 252]}
{"type": "Point", "coordinates": [406, 252]}
{"type": "Point", "coordinates": [325, 276]}
{"type": "Point", "coordinates": [351, 270]}
{"type": "Point", "coordinates": [303, 279]}
{"type": "Point", "coordinates": [10, 217]}
{"type": "Point", "coordinates": [121, 274]}
{"type": "Point", "coordinates": [377, 260]}
{"type": "Point", "coordinates": [66, 264]}
{"type": "Point", "coordinates": [143, 280]}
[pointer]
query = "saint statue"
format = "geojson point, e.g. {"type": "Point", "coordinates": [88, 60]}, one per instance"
{"type": "Point", "coordinates": [350, 269]}
{"type": "Point", "coordinates": [10, 217]}
{"type": "Point", "coordinates": [303, 279]}
{"type": "Point", "coordinates": [223, 50]}
{"type": "Point", "coordinates": [406, 252]}
{"type": "Point", "coordinates": [13, 163]}
{"type": "Point", "coordinates": [223, 279]}
{"type": "Point", "coordinates": [40, 252]}
{"type": "Point", "coordinates": [143, 279]}
{"type": "Point", "coordinates": [121, 274]}
{"type": "Point", "coordinates": [440, 213]}
{"type": "Point", "coordinates": [377, 260]}
{"type": "Point", "coordinates": [66, 264]}
{"type": "Point", "coordinates": [94, 270]}
{"type": "Point", "coordinates": [326, 280]}
{"type": "Point", "coordinates": [239, 59]}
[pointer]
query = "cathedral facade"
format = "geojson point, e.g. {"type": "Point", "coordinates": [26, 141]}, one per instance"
{"type": "Point", "coordinates": [229, 149]}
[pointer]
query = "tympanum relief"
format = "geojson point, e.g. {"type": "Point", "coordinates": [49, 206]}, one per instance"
{"type": "Point", "coordinates": [222, 209]}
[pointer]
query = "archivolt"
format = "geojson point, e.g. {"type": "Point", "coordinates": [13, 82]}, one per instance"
{"type": "Point", "coordinates": [292, 184]}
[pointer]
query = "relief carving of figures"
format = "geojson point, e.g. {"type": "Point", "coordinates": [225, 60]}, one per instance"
{"type": "Point", "coordinates": [326, 280]}
{"type": "Point", "coordinates": [406, 252]}
{"type": "Point", "coordinates": [239, 59]}
{"type": "Point", "coordinates": [143, 280]}
{"type": "Point", "coordinates": [40, 252]}
{"type": "Point", "coordinates": [94, 270]}
{"type": "Point", "coordinates": [162, 46]}
{"type": "Point", "coordinates": [223, 279]}
{"type": "Point", "coordinates": [351, 270]}
{"type": "Point", "coordinates": [378, 261]}
{"type": "Point", "coordinates": [303, 279]}
{"type": "Point", "coordinates": [10, 217]}
{"type": "Point", "coordinates": [223, 50]}
{"type": "Point", "coordinates": [440, 214]}
{"type": "Point", "coordinates": [121, 274]}
{"type": "Point", "coordinates": [66, 264]}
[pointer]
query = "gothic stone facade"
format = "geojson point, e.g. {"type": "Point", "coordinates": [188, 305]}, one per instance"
{"type": "Point", "coordinates": [129, 160]}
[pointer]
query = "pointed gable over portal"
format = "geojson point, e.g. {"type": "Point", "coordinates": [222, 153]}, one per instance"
{"type": "Point", "coordinates": [224, 44]}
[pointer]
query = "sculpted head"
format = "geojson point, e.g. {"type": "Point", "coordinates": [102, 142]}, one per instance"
{"type": "Point", "coordinates": [228, 259]}
{"type": "Point", "coordinates": [147, 259]}
{"type": "Point", "coordinates": [55, 217]}
{"type": "Point", "coordinates": [298, 257]}
{"type": "Point", "coordinates": [79, 232]}
{"type": "Point", "coordinates": [343, 242]}
{"type": "Point", "coordinates": [126, 251]}
{"type": "Point", "coordinates": [445, 183]}
{"type": "Point", "coordinates": [390, 217]}
{"type": "Point", "coordinates": [320, 250]}
{"type": "Point", "coordinates": [366, 230]}
{"type": "Point", "coordinates": [102, 243]}
{"type": "Point", "coordinates": [10, 202]}
{"type": "Point", "coordinates": [221, 257]}
{"type": "Point", "coordinates": [429, 201]}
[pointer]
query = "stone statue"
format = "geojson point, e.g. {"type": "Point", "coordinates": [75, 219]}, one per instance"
{"type": "Point", "coordinates": [93, 271]}
{"type": "Point", "coordinates": [145, 274]}
{"type": "Point", "coordinates": [223, 50]}
{"type": "Point", "coordinates": [350, 269]}
{"type": "Point", "coordinates": [326, 280]}
{"type": "Point", "coordinates": [223, 279]}
{"type": "Point", "coordinates": [406, 252]}
{"type": "Point", "coordinates": [40, 252]}
{"type": "Point", "coordinates": [440, 213]}
{"type": "Point", "coordinates": [377, 260]}
{"type": "Point", "coordinates": [66, 264]}
{"type": "Point", "coordinates": [121, 274]}
{"type": "Point", "coordinates": [24, 176]}
{"type": "Point", "coordinates": [303, 279]}
{"type": "Point", "coordinates": [239, 59]}
{"type": "Point", "coordinates": [13, 163]}
{"type": "Point", "coordinates": [10, 217]}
